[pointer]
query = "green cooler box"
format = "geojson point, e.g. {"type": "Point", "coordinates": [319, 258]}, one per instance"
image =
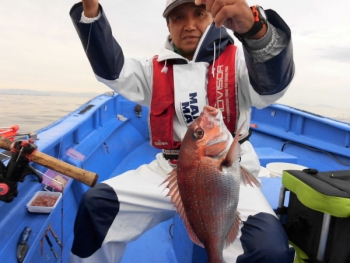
{"type": "Point", "coordinates": [317, 218]}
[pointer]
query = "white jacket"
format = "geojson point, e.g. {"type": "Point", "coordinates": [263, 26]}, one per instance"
{"type": "Point", "coordinates": [264, 68]}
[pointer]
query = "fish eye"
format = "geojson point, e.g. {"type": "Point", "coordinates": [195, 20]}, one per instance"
{"type": "Point", "coordinates": [198, 133]}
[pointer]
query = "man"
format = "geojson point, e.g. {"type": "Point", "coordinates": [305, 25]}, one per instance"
{"type": "Point", "coordinates": [199, 62]}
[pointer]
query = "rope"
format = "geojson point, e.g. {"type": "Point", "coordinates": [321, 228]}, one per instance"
{"type": "Point", "coordinates": [316, 150]}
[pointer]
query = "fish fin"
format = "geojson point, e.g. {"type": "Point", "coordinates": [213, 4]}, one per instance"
{"type": "Point", "coordinates": [175, 198]}
{"type": "Point", "coordinates": [172, 176]}
{"type": "Point", "coordinates": [189, 229]}
{"type": "Point", "coordinates": [171, 184]}
{"type": "Point", "coordinates": [234, 230]}
{"type": "Point", "coordinates": [235, 149]}
{"type": "Point", "coordinates": [248, 178]}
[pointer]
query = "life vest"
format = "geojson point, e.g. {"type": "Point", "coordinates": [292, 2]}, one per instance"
{"type": "Point", "coordinates": [221, 92]}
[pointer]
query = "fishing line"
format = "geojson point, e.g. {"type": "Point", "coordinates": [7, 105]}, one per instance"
{"type": "Point", "coordinates": [62, 207]}
{"type": "Point", "coordinates": [87, 46]}
{"type": "Point", "coordinates": [214, 71]}
{"type": "Point", "coordinates": [220, 41]}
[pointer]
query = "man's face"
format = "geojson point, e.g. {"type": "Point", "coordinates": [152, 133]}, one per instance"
{"type": "Point", "coordinates": [186, 24]}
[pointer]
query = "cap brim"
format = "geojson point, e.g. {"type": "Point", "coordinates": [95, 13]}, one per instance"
{"type": "Point", "coordinates": [173, 5]}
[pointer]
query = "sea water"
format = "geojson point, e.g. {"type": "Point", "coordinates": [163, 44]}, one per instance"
{"type": "Point", "coordinates": [33, 112]}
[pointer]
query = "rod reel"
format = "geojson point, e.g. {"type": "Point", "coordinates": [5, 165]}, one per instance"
{"type": "Point", "coordinates": [17, 169]}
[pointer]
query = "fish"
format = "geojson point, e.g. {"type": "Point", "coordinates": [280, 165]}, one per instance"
{"type": "Point", "coordinates": [204, 186]}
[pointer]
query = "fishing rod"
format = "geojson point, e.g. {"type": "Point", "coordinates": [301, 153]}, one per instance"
{"type": "Point", "coordinates": [22, 152]}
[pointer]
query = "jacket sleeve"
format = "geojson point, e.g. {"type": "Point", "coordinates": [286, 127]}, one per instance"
{"type": "Point", "coordinates": [271, 77]}
{"type": "Point", "coordinates": [131, 78]}
{"type": "Point", "coordinates": [103, 51]}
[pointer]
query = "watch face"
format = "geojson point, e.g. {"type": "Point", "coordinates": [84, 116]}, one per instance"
{"type": "Point", "coordinates": [262, 13]}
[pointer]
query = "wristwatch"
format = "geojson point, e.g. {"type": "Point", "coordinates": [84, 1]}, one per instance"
{"type": "Point", "coordinates": [260, 20]}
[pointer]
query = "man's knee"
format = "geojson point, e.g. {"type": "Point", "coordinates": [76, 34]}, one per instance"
{"type": "Point", "coordinates": [273, 252]}
{"type": "Point", "coordinates": [100, 196]}
{"type": "Point", "coordinates": [97, 210]}
{"type": "Point", "coordinates": [264, 240]}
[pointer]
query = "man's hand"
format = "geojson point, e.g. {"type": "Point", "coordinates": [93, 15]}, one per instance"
{"type": "Point", "coordinates": [91, 8]}
{"type": "Point", "coordinates": [234, 14]}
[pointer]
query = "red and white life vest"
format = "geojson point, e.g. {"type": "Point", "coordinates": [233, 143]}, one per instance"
{"type": "Point", "coordinates": [221, 92]}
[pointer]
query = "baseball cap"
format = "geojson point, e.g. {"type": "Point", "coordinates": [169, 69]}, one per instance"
{"type": "Point", "coordinates": [171, 4]}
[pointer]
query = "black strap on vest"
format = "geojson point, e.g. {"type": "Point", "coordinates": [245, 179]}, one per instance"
{"type": "Point", "coordinates": [173, 154]}
{"type": "Point", "coordinates": [246, 138]}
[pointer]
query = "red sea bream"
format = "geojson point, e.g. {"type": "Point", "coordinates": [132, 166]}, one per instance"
{"type": "Point", "coordinates": [205, 185]}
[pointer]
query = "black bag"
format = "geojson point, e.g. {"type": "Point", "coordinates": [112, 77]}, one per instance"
{"type": "Point", "coordinates": [318, 215]}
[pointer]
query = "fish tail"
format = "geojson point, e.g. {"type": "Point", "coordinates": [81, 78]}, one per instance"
{"type": "Point", "coordinates": [248, 178]}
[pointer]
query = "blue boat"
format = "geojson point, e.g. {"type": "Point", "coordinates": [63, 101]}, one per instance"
{"type": "Point", "coordinates": [113, 131]}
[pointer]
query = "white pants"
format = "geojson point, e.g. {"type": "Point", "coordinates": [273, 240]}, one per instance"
{"type": "Point", "coordinates": [143, 205]}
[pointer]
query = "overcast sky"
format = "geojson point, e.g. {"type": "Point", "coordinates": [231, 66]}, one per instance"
{"type": "Point", "coordinates": [40, 50]}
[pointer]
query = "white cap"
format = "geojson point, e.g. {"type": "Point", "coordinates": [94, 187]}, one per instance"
{"type": "Point", "coordinates": [171, 4]}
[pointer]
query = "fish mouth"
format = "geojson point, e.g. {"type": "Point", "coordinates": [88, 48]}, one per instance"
{"type": "Point", "coordinates": [219, 145]}
{"type": "Point", "coordinates": [220, 138]}
{"type": "Point", "coordinates": [214, 118]}
{"type": "Point", "coordinates": [213, 115]}
{"type": "Point", "coordinates": [210, 110]}
{"type": "Point", "coordinates": [223, 135]}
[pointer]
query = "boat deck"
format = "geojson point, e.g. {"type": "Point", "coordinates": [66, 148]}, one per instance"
{"type": "Point", "coordinates": [114, 139]}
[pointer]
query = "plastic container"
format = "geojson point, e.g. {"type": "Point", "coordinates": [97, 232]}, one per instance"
{"type": "Point", "coordinates": [264, 172]}
{"type": "Point", "coordinates": [45, 196]}
{"type": "Point", "coordinates": [276, 169]}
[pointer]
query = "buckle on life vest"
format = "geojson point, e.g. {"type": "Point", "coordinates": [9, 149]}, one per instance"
{"type": "Point", "coordinates": [171, 154]}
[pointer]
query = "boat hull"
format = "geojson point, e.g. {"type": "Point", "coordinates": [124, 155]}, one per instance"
{"type": "Point", "coordinates": [113, 139]}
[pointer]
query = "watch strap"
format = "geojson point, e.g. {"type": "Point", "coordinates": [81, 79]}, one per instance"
{"type": "Point", "coordinates": [257, 26]}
